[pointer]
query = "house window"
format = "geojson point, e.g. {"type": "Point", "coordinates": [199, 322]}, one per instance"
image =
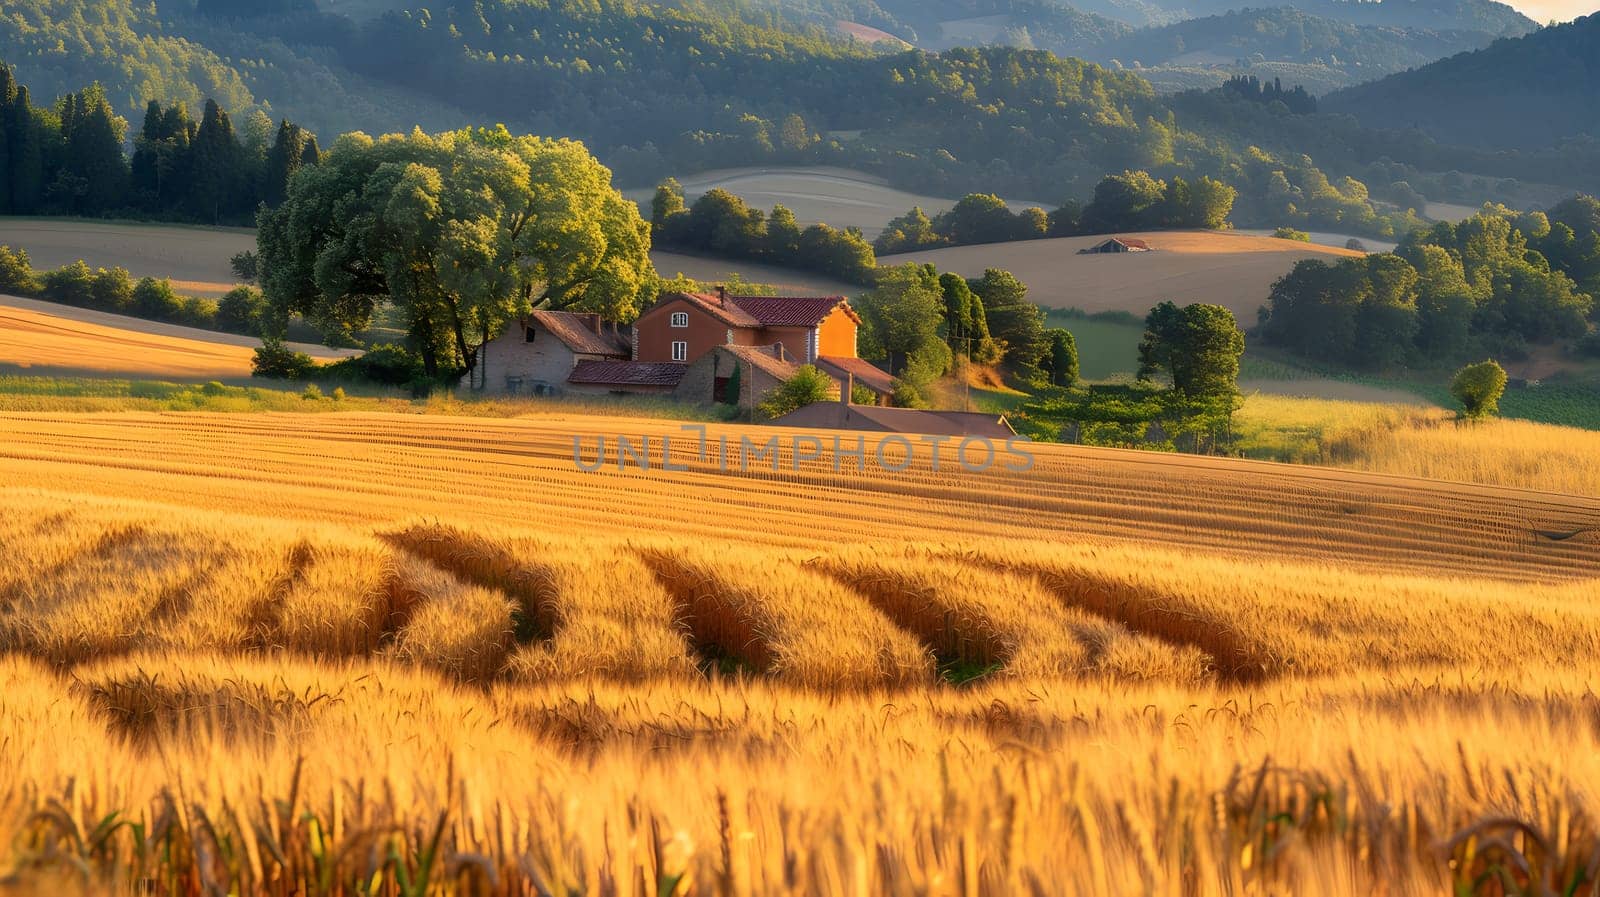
{"type": "Point", "coordinates": [528, 333]}
{"type": "Point", "coordinates": [730, 336]}
{"type": "Point", "coordinates": [680, 319]}
{"type": "Point", "coordinates": [680, 350]}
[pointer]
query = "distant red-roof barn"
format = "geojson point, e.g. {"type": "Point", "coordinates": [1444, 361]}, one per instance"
{"type": "Point", "coordinates": [1117, 244]}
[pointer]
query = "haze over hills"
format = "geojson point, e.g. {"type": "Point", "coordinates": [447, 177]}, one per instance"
{"type": "Point", "coordinates": [1321, 52]}
{"type": "Point", "coordinates": [1322, 44]}
{"type": "Point", "coordinates": [1516, 94]}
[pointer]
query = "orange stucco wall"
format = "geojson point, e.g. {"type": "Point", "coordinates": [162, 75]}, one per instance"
{"type": "Point", "coordinates": [837, 334]}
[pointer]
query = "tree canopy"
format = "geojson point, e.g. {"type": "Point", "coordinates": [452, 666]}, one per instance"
{"type": "Point", "coordinates": [458, 232]}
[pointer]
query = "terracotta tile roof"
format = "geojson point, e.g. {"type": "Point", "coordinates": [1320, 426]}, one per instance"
{"type": "Point", "coordinates": [727, 313]}
{"type": "Point", "coordinates": [575, 331]}
{"type": "Point", "coordinates": [839, 416]}
{"type": "Point", "coordinates": [788, 311]}
{"type": "Point", "coordinates": [764, 358]}
{"type": "Point", "coordinates": [865, 372]}
{"type": "Point", "coordinates": [627, 373]}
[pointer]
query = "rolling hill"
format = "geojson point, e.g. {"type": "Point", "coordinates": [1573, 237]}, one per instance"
{"type": "Point", "coordinates": [1523, 93]}
{"type": "Point", "coordinates": [48, 338]}
{"type": "Point", "coordinates": [1232, 270]}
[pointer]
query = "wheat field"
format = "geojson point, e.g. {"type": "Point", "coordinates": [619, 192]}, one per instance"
{"type": "Point", "coordinates": [49, 336]}
{"type": "Point", "coordinates": [366, 653]}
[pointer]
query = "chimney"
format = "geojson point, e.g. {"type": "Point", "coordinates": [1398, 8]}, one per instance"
{"type": "Point", "coordinates": [593, 320]}
{"type": "Point", "coordinates": [777, 350]}
{"type": "Point", "coordinates": [722, 295]}
{"type": "Point", "coordinates": [846, 387]}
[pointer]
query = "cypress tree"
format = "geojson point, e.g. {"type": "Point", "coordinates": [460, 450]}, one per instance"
{"type": "Point", "coordinates": [283, 160]}
{"type": "Point", "coordinates": [146, 171]}
{"type": "Point", "coordinates": [94, 173]}
{"type": "Point", "coordinates": [215, 177]}
{"type": "Point", "coordinates": [8, 98]}
{"type": "Point", "coordinates": [26, 147]}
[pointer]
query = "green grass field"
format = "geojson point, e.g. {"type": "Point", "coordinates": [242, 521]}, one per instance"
{"type": "Point", "coordinates": [1108, 343]}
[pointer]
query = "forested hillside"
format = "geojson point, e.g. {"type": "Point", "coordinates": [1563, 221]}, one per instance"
{"type": "Point", "coordinates": [659, 90]}
{"type": "Point", "coordinates": [1464, 15]}
{"type": "Point", "coordinates": [1517, 94]}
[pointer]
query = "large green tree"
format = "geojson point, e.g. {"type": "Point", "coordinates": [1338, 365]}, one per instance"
{"type": "Point", "coordinates": [903, 315]}
{"type": "Point", "coordinates": [1198, 346]}
{"type": "Point", "coordinates": [459, 232]}
{"type": "Point", "coordinates": [1015, 324]}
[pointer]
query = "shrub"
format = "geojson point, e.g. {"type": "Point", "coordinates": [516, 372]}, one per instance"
{"type": "Point", "coordinates": [276, 361]}
{"type": "Point", "coordinates": [806, 386]}
{"type": "Point", "coordinates": [197, 312]}
{"type": "Point", "coordinates": [156, 300]}
{"type": "Point", "coordinates": [72, 285]}
{"type": "Point", "coordinates": [1478, 388]}
{"type": "Point", "coordinates": [907, 395]}
{"type": "Point", "coordinates": [242, 310]}
{"type": "Point", "coordinates": [1289, 233]}
{"type": "Point", "coordinates": [385, 365]}
{"type": "Point", "coordinates": [112, 289]}
{"type": "Point", "coordinates": [16, 272]}
{"type": "Point", "coordinates": [245, 266]}
{"type": "Point", "coordinates": [312, 393]}
{"type": "Point", "coordinates": [338, 393]}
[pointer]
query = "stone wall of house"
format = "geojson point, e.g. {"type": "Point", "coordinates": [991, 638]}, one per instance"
{"type": "Point", "coordinates": [699, 381]}
{"type": "Point", "coordinates": [512, 364]}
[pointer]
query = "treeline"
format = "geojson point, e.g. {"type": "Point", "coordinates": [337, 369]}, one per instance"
{"type": "Point", "coordinates": [722, 224]}
{"type": "Point", "coordinates": [1249, 87]}
{"type": "Point", "coordinates": [1129, 201]}
{"type": "Point", "coordinates": [1496, 283]}
{"type": "Point", "coordinates": [242, 310]}
{"type": "Point", "coordinates": [1380, 157]}
{"type": "Point", "coordinates": [70, 159]}
{"type": "Point", "coordinates": [919, 323]}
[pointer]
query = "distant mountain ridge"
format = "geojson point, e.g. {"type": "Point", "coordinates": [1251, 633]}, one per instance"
{"type": "Point", "coordinates": [1330, 52]}
{"type": "Point", "coordinates": [1323, 44]}
{"type": "Point", "coordinates": [1521, 93]}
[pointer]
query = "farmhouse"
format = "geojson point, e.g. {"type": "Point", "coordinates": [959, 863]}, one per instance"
{"type": "Point", "coordinates": [538, 354]}
{"type": "Point", "coordinates": [687, 344]}
{"type": "Point", "coordinates": [1116, 244]}
{"type": "Point", "coordinates": [681, 327]}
